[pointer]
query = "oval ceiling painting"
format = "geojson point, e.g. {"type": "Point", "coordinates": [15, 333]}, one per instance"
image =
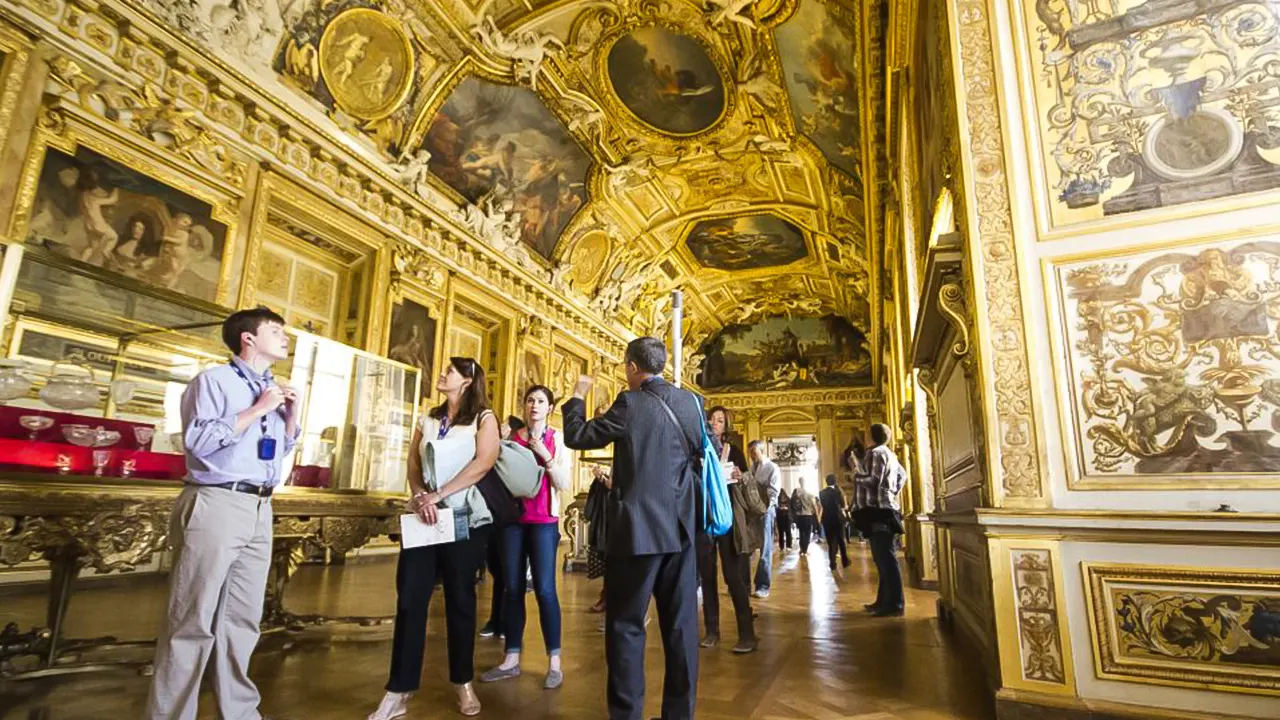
{"type": "Point", "coordinates": [667, 80]}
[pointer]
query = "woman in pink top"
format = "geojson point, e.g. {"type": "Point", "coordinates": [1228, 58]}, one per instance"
{"type": "Point", "coordinates": [536, 539]}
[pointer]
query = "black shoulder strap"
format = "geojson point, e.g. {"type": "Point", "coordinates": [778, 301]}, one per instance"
{"type": "Point", "coordinates": [674, 421]}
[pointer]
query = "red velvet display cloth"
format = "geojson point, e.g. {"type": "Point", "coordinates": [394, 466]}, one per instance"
{"type": "Point", "coordinates": [313, 476]}
{"type": "Point", "coordinates": [43, 457]}
{"type": "Point", "coordinates": [11, 428]}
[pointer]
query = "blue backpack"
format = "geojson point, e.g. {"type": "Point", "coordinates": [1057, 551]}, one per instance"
{"type": "Point", "coordinates": [717, 509]}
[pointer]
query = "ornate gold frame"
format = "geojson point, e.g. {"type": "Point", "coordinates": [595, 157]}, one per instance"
{"type": "Point", "coordinates": [1015, 605]}
{"type": "Point", "coordinates": [378, 17]}
{"type": "Point", "coordinates": [16, 48]}
{"type": "Point", "coordinates": [64, 128]}
{"type": "Point", "coordinates": [1098, 577]}
{"type": "Point", "coordinates": [277, 194]}
{"type": "Point", "coordinates": [619, 109]}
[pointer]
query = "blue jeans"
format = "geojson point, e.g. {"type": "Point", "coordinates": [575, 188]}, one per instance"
{"type": "Point", "coordinates": [537, 544]}
{"type": "Point", "coordinates": [764, 568]}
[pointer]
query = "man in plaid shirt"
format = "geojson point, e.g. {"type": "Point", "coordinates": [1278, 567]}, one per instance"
{"type": "Point", "coordinates": [878, 515]}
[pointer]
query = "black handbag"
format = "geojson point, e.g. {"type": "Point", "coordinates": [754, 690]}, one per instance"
{"type": "Point", "coordinates": [503, 506]}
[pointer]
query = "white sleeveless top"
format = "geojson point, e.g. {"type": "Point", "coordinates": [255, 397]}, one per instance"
{"type": "Point", "coordinates": [447, 457]}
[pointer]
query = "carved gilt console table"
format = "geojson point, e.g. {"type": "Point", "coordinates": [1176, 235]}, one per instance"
{"type": "Point", "coordinates": [111, 525]}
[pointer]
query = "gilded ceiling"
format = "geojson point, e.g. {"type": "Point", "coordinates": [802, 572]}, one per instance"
{"type": "Point", "coordinates": [620, 149]}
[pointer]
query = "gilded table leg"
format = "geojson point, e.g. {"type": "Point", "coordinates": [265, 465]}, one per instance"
{"type": "Point", "coordinates": [291, 550]}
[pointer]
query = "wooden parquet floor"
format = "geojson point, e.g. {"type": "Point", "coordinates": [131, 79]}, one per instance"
{"type": "Point", "coordinates": [821, 657]}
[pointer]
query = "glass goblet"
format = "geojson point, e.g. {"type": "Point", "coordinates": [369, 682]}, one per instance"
{"type": "Point", "coordinates": [100, 460]}
{"type": "Point", "coordinates": [143, 435]}
{"type": "Point", "coordinates": [64, 464]}
{"type": "Point", "coordinates": [127, 467]}
{"type": "Point", "coordinates": [105, 438]}
{"type": "Point", "coordinates": [34, 424]}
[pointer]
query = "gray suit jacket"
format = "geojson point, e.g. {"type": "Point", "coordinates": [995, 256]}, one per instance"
{"type": "Point", "coordinates": [655, 482]}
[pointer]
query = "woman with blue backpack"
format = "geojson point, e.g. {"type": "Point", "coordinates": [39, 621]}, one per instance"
{"type": "Point", "coordinates": [535, 540]}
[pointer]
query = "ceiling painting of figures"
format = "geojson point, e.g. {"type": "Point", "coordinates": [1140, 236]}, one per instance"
{"type": "Point", "coordinates": [782, 353]}
{"type": "Point", "coordinates": [499, 145]}
{"type": "Point", "coordinates": [746, 243]}
{"type": "Point", "coordinates": [667, 80]}
{"type": "Point", "coordinates": [818, 49]}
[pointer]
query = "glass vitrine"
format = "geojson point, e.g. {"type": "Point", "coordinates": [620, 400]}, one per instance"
{"type": "Point", "coordinates": [359, 413]}
{"type": "Point", "coordinates": [99, 371]}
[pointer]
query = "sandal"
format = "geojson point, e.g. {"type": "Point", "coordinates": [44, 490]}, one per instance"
{"type": "Point", "coordinates": [393, 705]}
{"type": "Point", "coordinates": [468, 703]}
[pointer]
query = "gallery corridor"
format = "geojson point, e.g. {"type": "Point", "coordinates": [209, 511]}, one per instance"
{"type": "Point", "coordinates": [820, 657]}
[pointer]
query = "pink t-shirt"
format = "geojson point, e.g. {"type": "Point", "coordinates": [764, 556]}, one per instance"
{"type": "Point", "coordinates": [537, 509]}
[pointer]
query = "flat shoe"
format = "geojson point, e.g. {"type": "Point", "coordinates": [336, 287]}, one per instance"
{"type": "Point", "coordinates": [744, 647]}
{"type": "Point", "coordinates": [709, 641]}
{"type": "Point", "coordinates": [554, 679]}
{"type": "Point", "coordinates": [500, 673]}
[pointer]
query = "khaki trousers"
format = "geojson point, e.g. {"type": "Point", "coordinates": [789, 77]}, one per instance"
{"type": "Point", "coordinates": [221, 542]}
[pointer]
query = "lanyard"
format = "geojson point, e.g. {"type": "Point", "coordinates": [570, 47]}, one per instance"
{"type": "Point", "coordinates": [253, 388]}
{"type": "Point", "coordinates": [444, 427]}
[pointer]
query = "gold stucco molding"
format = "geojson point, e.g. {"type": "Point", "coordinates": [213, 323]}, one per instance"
{"type": "Point", "coordinates": [1002, 353]}
{"type": "Point", "coordinates": [797, 398]}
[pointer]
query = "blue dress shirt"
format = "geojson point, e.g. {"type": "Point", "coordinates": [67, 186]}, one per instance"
{"type": "Point", "coordinates": [215, 454]}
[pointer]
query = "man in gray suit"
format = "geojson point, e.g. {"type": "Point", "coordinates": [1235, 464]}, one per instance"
{"type": "Point", "coordinates": [656, 432]}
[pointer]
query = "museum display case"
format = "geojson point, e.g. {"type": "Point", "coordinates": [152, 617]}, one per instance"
{"type": "Point", "coordinates": [93, 383]}
{"type": "Point", "coordinates": [90, 438]}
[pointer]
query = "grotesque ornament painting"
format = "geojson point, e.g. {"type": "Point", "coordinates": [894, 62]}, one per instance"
{"type": "Point", "coordinates": [1174, 359]}
{"type": "Point", "coordinates": [1155, 103]}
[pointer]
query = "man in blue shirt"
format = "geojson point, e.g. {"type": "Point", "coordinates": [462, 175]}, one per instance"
{"type": "Point", "coordinates": [238, 424]}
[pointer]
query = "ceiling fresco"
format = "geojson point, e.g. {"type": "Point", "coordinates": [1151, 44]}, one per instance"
{"type": "Point", "coordinates": [785, 353]}
{"type": "Point", "coordinates": [818, 46]}
{"type": "Point", "coordinates": [667, 80]}
{"type": "Point", "coordinates": [500, 148]}
{"type": "Point", "coordinates": [618, 150]}
{"type": "Point", "coordinates": [746, 243]}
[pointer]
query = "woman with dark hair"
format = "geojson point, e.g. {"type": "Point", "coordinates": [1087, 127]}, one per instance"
{"type": "Point", "coordinates": [851, 458]}
{"type": "Point", "coordinates": [784, 521]}
{"type": "Point", "coordinates": [734, 548]}
{"type": "Point", "coordinates": [535, 540]}
{"type": "Point", "coordinates": [463, 423]}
